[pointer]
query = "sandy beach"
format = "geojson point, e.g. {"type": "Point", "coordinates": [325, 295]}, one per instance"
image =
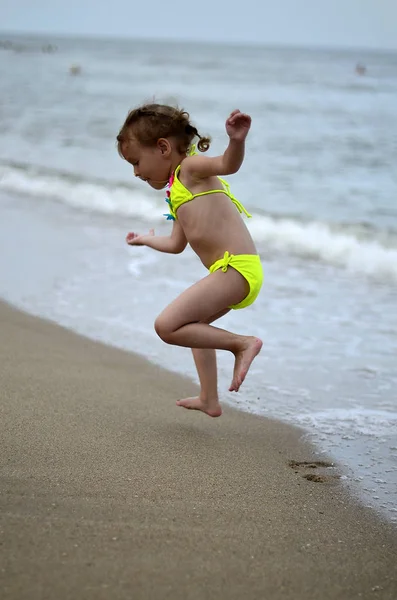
{"type": "Point", "coordinates": [109, 491]}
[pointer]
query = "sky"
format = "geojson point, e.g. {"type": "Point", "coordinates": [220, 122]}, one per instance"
{"type": "Point", "coordinates": [331, 23]}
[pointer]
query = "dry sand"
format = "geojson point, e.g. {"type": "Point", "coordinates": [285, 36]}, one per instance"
{"type": "Point", "coordinates": [109, 491]}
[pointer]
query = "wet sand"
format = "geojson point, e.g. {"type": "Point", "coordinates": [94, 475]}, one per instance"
{"type": "Point", "coordinates": [110, 491]}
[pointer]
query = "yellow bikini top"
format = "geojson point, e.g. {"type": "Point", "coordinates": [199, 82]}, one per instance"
{"type": "Point", "coordinates": [178, 194]}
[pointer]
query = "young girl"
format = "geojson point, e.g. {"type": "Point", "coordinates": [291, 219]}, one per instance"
{"type": "Point", "coordinates": [157, 141]}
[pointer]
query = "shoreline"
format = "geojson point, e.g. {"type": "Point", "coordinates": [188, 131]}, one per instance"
{"type": "Point", "coordinates": [111, 491]}
{"type": "Point", "coordinates": [333, 401]}
{"type": "Point", "coordinates": [350, 480]}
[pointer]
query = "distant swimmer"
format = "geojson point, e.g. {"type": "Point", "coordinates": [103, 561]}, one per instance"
{"type": "Point", "coordinates": [75, 70]}
{"type": "Point", "coordinates": [361, 69]}
{"type": "Point", "coordinates": [49, 48]}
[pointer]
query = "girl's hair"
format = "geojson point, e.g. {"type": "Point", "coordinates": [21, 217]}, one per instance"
{"type": "Point", "coordinates": [150, 122]}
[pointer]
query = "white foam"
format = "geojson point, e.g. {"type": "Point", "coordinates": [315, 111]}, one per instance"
{"type": "Point", "coordinates": [141, 261]}
{"type": "Point", "coordinates": [352, 421]}
{"type": "Point", "coordinates": [93, 196]}
{"type": "Point", "coordinates": [316, 240]}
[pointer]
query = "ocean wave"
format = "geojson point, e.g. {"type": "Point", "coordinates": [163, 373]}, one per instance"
{"type": "Point", "coordinates": [91, 195]}
{"type": "Point", "coordinates": [321, 241]}
{"type": "Point", "coordinates": [356, 248]}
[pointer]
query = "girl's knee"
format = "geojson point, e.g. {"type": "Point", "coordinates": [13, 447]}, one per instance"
{"type": "Point", "coordinates": [163, 330]}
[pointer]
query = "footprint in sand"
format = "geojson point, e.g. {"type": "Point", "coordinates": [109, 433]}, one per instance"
{"type": "Point", "coordinates": [317, 471]}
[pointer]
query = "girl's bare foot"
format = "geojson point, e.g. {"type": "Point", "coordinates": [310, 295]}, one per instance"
{"type": "Point", "coordinates": [243, 360]}
{"type": "Point", "coordinates": [211, 408]}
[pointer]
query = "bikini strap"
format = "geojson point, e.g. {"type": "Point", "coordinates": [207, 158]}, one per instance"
{"type": "Point", "coordinates": [227, 257]}
{"type": "Point", "coordinates": [236, 202]}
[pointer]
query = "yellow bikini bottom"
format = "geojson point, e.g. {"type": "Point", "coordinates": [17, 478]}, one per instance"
{"type": "Point", "coordinates": [249, 266]}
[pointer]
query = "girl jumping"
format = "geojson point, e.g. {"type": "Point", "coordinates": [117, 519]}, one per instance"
{"type": "Point", "coordinates": [157, 141]}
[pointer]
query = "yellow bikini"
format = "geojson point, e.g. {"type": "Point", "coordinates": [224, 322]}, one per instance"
{"type": "Point", "coordinates": [248, 265]}
{"type": "Point", "coordinates": [179, 194]}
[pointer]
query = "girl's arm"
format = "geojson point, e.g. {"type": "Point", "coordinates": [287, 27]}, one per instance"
{"type": "Point", "coordinates": [237, 127]}
{"type": "Point", "coordinates": [172, 244]}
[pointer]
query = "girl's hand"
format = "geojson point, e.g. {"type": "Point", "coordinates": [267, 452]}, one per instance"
{"type": "Point", "coordinates": [134, 239]}
{"type": "Point", "coordinates": [238, 125]}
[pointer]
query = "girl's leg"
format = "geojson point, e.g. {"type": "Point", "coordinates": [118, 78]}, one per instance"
{"type": "Point", "coordinates": [205, 361]}
{"type": "Point", "coordinates": [184, 321]}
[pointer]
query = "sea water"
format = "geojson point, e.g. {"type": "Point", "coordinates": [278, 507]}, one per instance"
{"type": "Point", "coordinates": [319, 177]}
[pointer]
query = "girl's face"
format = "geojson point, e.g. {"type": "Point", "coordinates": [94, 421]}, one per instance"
{"type": "Point", "coordinates": [151, 164]}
